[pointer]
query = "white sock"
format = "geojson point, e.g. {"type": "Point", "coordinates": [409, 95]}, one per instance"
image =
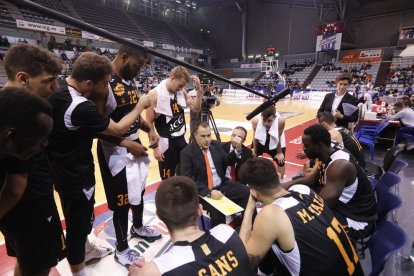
{"type": "Point", "coordinates": [259, 273]}
{"type": "Point", "coordinates": [88, 245]}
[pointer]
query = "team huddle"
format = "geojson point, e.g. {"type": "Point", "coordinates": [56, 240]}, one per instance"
{"type": "Point", "coordinates": [47, 132]}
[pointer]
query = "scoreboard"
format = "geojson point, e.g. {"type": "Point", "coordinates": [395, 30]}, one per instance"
{"type": "Point", "coordinates": [330, 28]}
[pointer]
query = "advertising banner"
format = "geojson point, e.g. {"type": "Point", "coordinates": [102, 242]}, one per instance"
{"type": "Point", "coordinates": [328, 42]}
{"type": "Point", "coordinates": [73, 32]}
{"type": "Point", "coordinates": [407, 33]}
{"type": "Point", "coordinates": [168, 47]}
{"type": "Point", "coordinates": [148, 44]}
{"type": "Point", "coordinates": [40, 27]}
{"type": "Point", "coordinates": [361, 55]}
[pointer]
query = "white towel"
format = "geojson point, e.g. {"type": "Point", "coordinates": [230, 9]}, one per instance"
{"type": "Point", "coordinates": [282, 136]}
{"type": "Point", "coordinates": [117, 159]}
{"type": "Point", "coordinates": [260, 134]}
{"type": "Point", "coordinates": [136, 173]}
{"type": "Point", "coordinates": [163, 100]}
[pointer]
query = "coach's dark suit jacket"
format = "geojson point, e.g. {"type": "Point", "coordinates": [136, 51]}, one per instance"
{"type": "Point", "coordinates": [192, 164]}
{"type": "Point", "coordinates": [245, 155]}
{"type": "Point", "coordinates": [326, 106]}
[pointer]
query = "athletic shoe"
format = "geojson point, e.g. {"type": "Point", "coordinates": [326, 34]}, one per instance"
{"type": "Point", "coordinates": [145, 232]}
{"type": "Point", "coordinates": [93, 250]}
{"type": "Point", "coordinates": [410, 146]}
{"type": "Point", "coordinates": [127, 257]}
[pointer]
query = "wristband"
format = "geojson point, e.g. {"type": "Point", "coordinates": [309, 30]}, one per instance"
{"type": "Point", "coordinates": [153, 146]}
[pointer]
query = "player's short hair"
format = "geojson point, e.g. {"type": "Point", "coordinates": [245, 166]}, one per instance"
{"type": "Point", "coordinates": [30, 59]}
{"type": "Point", "coordinates": [326, 117]}
{"type": "Point", "coordinates": [91, 66]}
{"type": "Point", "coordinates": [270, 111]}
{"type": "Point", "coordinates": [318, 133]}
{"type": "Point", "coordinates": [260, 174]}
{"type": "Point", "coordinates": [133, 52]}
{"type": "Point", "coordinates": [180, 72]}
{"type": "Point", "coordinates": [177, 202]}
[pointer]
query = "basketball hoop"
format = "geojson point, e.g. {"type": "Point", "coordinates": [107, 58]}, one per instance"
{"type": "Point", "coordinates": [269, 66]}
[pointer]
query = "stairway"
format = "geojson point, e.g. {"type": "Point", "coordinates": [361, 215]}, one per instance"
{"type": "Point", "coordinates": [69, 6]}
{"type": "Point", "coordinates": [145, 35]}
{"type": "Point", "coordinates": [382, 73]}
{"type": "Point", "coordinates": [180, 35]}
{"type": "Point", "coordinates": [312, 75]}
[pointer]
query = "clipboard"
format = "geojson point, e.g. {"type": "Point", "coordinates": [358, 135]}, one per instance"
{"type": "Point", "coordinates": [224, 205]}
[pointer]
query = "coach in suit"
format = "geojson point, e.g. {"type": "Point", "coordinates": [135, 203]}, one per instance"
{"type": "Point", "coordinates": [238, 137]}
{"type": "Point", "coordinates": [204, 161]}
{"type": "Point", "coordinates": [333, 102]}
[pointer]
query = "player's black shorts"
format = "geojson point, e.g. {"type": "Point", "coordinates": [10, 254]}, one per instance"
{"type": "Point", "coordinates": [116, 187]}
{"type": "Point", "coordinates": [79, 219]}
{"type": "Point", "coordinates": [262, 149]}
{"type": "Point", "coordinates": [171, 157]}
{"type": "Point", "coordinates": [353, 234]}
{"type": "Point", "coordinates": [36, 240]}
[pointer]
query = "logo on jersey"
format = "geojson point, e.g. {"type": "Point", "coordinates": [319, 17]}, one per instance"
{"type": "Point", "coordinates": [176, 124]}
{"type": "Point", "coordinates": [119, 89]}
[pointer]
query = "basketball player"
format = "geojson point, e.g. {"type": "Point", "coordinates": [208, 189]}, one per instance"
{"type": "Point", "coordinates": [341, 183]}
{"type": "Point", "coordinates": [27, 207]}
{"type": "Point", "coordinates": [268, 137]}
{"type": "Point", "coordinates": [168, 101]}
{"type": "Point", "coordinates": [343, 136]}
{"type": "Point", "coordinates": [195, 252]}
{"type": "Point", "coordinates": [76, 122]}
{"type": "Point", "coordinates": [299, 229]}
{"type": "Point", "coordinates": [119, 179]}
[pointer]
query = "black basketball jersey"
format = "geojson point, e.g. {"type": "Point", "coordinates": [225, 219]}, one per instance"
{"type": "Point", "coordinates": [357, 200]}
{"type": "Point", "coordinates": [218, 252]}
{"type": "Point", "coordinates": [76, 121]}
{"type": "Point", "coordinates": [321, 244]}
{"type": "Point", "coordinates": [175, 127]}
{"type": "Point", "coordinates": [126, 96]}
{"type": "Point", "coordinates": [352, 145]}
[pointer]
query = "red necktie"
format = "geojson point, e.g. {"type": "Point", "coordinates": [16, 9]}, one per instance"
{"type": "Point", "coordinates": [233, 173]}
{"type": "Point", "coordinates": [208, 168]}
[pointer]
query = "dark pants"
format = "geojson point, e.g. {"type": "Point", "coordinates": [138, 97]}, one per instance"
{"type": "Point", "coordinates": [171, 157]}
{"type": "Point", "coordinates": [120, 221]}
{"type": "Point", "coordinates": [79, 218]}
{"type": "Point", "coordinates": [236, 192]}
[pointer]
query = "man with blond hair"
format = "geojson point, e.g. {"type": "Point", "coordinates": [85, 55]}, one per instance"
{"type": "Point", "coordinates": [166, 114]}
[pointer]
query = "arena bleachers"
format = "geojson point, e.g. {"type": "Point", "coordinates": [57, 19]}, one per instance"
{"type": "Point", "coordinates": [5, 16]}
{"type": "Point", "coordinates": [324, 79]}
{"type": "Point", "coordinates": [157, 30]}
{"type": "Point", "coordinates": [104, 18]}
{"type": "Point", "coordinates": [401, 73]}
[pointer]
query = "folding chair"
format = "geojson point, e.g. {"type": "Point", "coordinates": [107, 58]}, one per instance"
{"type": "Point", "coordinates": [388, 180]}
{"type": "Point", "coordinates": [386, 203]}
{"type": "Point", "coordinates": [368, 135]}
{"type": "Point", "coordinates": [375, 170]}
{"type": "Point", "coordinates": [387, 239]}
